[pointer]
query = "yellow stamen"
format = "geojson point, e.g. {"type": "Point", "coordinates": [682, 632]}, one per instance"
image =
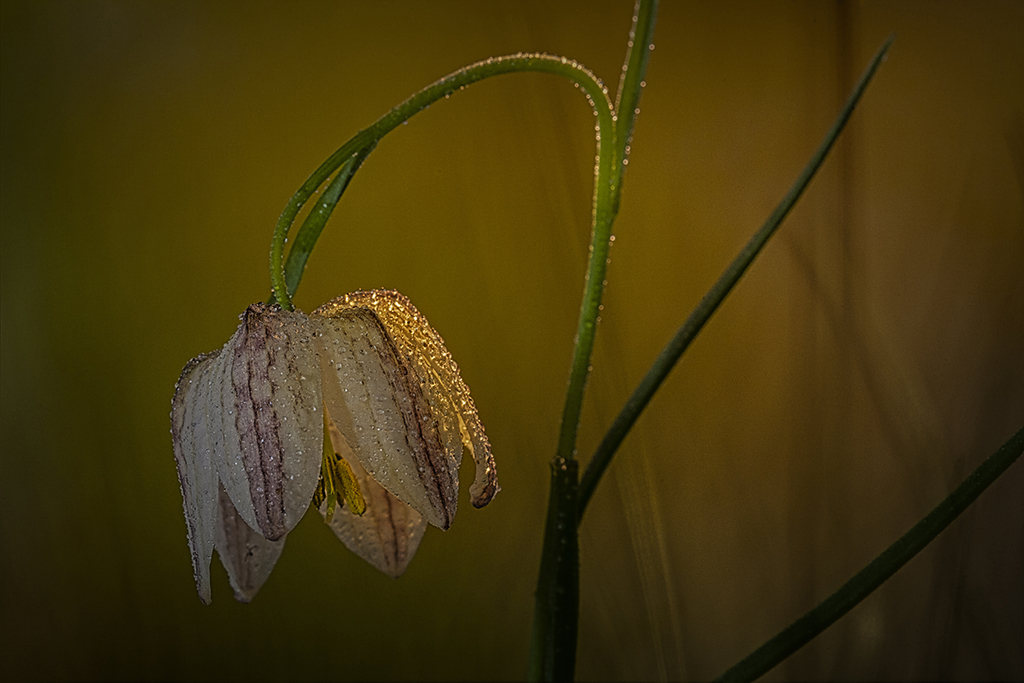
{"type": "Point", "coordinates": [337, 481]}
{"type": "Point", "coordinates": [349, 485]}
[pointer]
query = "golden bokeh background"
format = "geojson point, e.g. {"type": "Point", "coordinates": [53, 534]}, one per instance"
{"type": "Point", "coordinates": [872, 356]}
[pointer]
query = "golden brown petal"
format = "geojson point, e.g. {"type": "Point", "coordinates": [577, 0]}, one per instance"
{"type": "Point", "coordinates": [384, 416]}
{"type": "Point", "coordinates": [397, 398]}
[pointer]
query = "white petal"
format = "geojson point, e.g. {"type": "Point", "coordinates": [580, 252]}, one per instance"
{"type": "Point", "coordinates": [245, 554]}
{"type": "Point", "coordinates": [269, 409]}
{"type": "Point", "coordinates": [196, 473]}
{"type": "Point", "coordinates": [388, 533]}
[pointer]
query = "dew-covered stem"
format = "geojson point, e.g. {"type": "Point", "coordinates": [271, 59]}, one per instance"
{"type": "Point", "coordinates": [631, 83]}
{"type": "Point", "coordinates": [556, 611]}
{"type": "Point", "coordinates": [285, 277]}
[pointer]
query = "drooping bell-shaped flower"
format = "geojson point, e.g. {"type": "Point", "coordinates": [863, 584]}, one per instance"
{"type": "Point", "coordinates": [358, 408]}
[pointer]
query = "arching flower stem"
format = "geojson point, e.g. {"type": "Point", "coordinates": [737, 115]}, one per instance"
{"type": "Point", "coordinates": [285, 277]}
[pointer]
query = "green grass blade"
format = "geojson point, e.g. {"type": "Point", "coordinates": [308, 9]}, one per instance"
{"type": "Point", "coordinates": [801, 631]}
{"type": "Point", "coordinates": [712, 300]}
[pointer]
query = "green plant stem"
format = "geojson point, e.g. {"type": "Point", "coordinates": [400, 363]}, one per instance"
{"type": "Point", "coordinates": [611, 155]}
{"type": "Point", "coordinates": [556, 611]}
{"type": "Point", "coordinates": [285, 276]}
{"type": "Point", "coordinates": [361, 144]}
{"type": "Point", "coordinates": [555, 616]}
{"type": "Point", "coordinates": [631, 84]}
{"type": "Point", "coordinates": [309, 231]}
{"type": "Point", "coordinates": [593, 288]}
{"type": "Point", "coordinates": [801, 631]}
{"type": "Point", "coordinates": [712, 300]}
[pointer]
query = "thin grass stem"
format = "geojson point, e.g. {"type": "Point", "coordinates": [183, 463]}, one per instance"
{"type": "Point", "coordinates": [668, 357]}
{"type": "Point", "coordinates": [878, 571]}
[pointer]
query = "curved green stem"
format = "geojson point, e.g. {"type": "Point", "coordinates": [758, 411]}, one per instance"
{"type": "Point", "coordinates": [801, 631]}
{"type": "Point", "coordinates": [362, 143]}
{"type": "Point", "coordinates": [593, 286]}
{"type": "Point", "coordinates": [712, 300]}
{"type": "Point", "coordinates": [556, 612]}
{"type": "Point", "coordinates": [611, 157]}
{"type": "Point", "coordinates": [314, 224]}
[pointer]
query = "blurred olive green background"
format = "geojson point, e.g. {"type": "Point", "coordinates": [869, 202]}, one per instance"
{"type": "Point", "coordinates": [869, 360]}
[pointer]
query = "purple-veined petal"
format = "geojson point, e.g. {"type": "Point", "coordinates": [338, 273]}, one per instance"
{"type": "Point", "coordinates": [402, 368]}
{"type": "Point", "coordinates": [384, 415]}
{"type": "Point", "coordinates": [271, 425]}
{"type": "Point", "coordinates": [245, 554]}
